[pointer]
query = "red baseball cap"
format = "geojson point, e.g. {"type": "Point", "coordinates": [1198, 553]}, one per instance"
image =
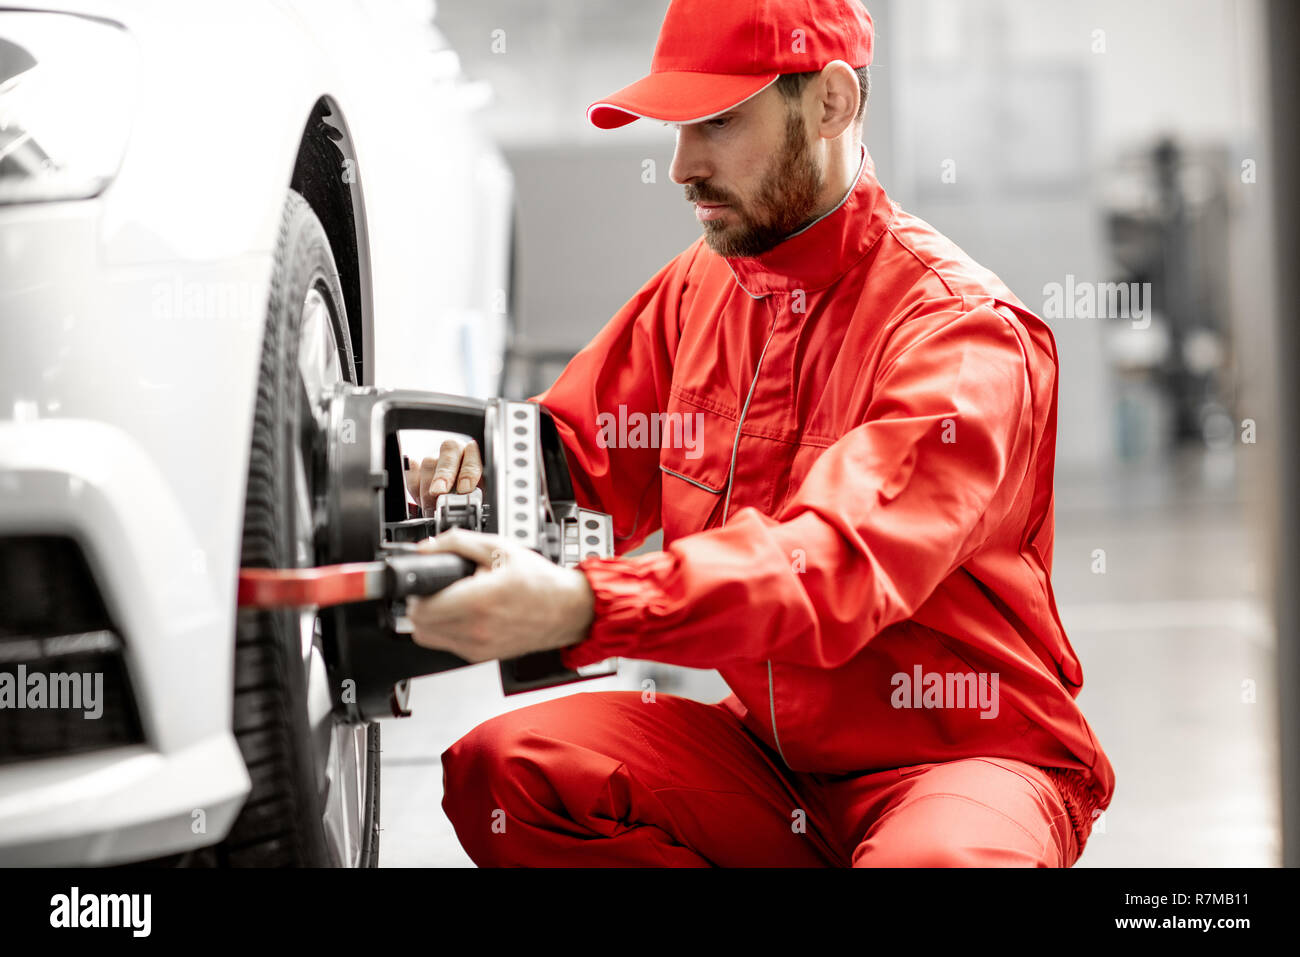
{"type": "Point", "coordinates": [714, 55]}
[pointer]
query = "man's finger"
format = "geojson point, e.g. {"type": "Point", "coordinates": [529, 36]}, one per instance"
{"type": "Point", "coordinates": [480, 548]}
{"type": "Point", "coordinates": [427, 635]}
{"type": "Point", "coordinates": [448, 617]}
{"type": "Point", "coordinates": [449, 611]}
{"type": "Point", "coordinates": [471, 469]}
{"type": "Point", "coordinates": [448, 465]}
{"type": "Point", "coordinates": [427, 469]}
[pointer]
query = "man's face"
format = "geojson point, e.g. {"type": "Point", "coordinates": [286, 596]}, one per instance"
{"type": "Point", "coordinates": [751, 174]}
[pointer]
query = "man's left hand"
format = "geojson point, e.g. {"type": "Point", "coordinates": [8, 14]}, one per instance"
{"type": "Point", "coordinates": [517, 602]}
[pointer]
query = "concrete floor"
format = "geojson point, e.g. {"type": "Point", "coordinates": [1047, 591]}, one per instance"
{"type": "Point", "coordinates": [1170, 637]}
{"type": "Point", "coordinates": [1173, 639]}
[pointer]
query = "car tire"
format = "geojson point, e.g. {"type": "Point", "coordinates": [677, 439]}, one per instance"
{"type": "Point", "coordinates": [278, 718]}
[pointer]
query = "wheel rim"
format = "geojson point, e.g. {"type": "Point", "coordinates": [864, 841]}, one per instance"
{"type": "Point", "coordinates": [340, 751]}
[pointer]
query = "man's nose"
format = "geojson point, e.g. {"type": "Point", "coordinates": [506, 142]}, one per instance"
{"type": "Point", "coordinates": [690, 160]}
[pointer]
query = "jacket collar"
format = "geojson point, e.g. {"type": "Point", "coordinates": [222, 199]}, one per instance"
{"type": "Point", "coordinates": [824, 250]}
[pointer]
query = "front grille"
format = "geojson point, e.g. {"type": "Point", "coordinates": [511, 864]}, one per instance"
{"type": "Point", "coordinates": [64, 686]}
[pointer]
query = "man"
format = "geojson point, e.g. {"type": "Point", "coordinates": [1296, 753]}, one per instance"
{"type": "Point", "coordinates": [858, 537]}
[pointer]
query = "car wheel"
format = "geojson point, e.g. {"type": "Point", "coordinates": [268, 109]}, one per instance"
{"type": "Point", "coordinates": [315, 780]}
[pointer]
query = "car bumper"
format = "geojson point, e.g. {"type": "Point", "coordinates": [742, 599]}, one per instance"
{"type": "Point", "coordinates": [120, 805]}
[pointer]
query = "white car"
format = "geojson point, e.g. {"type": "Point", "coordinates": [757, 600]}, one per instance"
{"type": "Point", "coordinates": [209, 213]}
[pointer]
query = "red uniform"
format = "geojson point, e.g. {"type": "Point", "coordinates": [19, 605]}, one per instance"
{"type": "Point", "coordinates": [856, 437]}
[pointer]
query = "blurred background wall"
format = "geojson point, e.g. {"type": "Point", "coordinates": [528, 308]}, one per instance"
{"type": "Point", "coordinates": [1064, 144]}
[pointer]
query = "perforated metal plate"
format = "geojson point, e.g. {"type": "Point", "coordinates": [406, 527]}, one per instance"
{"type": "Point", "coordinates": [520, 471]}
{"type": "Point", "coordinates": [587, 534]}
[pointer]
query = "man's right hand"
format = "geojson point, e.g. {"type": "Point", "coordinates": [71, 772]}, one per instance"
{"type": "Point", "coordinates": [458, 468]}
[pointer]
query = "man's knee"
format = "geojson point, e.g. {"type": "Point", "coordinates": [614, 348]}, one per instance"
{"type": "Point", "coordinates": [519, 745]}
{"type": "Point", "coordinates": [488, 761]}
{"type": "Point", "coordinates": [475, 754]}
{"type": "Point", "coordinates": [525, 774]}
{"type": "Point", "coordinates": [482, 780]}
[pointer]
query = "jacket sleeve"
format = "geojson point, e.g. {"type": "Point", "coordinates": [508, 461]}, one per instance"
{"type": "Point", "coordinates": [624, 372]}
{"type": "Point", "coordinates": [882, 518]}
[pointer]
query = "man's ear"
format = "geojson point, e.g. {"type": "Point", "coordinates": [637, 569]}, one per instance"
{"type": "Point", "coordinates": [839, 93]}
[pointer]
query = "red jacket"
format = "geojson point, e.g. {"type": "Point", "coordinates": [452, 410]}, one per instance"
{"type": "Point", "coordinates": [867, 501]}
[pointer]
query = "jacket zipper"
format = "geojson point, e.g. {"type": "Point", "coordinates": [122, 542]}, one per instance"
{"type": "Point", "coordinates": [731, 472]}
{"type": "Point", "coordinates": [735, 446]}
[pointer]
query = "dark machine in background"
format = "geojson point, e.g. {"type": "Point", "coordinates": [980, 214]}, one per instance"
{"type": "Point", "coordinates": [1168, 225]}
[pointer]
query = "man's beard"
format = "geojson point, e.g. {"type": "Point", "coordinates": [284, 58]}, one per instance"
{"type": "Point", "coordinates": [786, 200]}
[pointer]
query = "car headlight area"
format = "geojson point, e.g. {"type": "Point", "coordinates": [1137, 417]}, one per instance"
{"type": "Point", "coordinates": [67, 85]}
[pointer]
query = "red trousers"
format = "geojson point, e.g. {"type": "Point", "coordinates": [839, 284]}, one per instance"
{"type": "Point", "coordinates": [610, 779]}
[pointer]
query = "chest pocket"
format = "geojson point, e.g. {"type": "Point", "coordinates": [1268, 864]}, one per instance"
{"type": "Point", "coordinates": [694, 463]}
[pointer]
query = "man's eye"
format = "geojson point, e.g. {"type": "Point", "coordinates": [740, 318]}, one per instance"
{"type": "Point", "coordinates": [719, 123]}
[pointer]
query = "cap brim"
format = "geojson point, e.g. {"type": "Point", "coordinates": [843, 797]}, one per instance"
{"type": "Point", "coordinates": [676, 98]}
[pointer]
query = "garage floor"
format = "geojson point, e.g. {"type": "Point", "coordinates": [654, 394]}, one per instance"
{"type": "Point", "coordinates": [1171, 636]}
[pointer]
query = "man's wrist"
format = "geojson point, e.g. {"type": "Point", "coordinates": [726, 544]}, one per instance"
{"type": "Point", "coordinates": [582, 604]}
